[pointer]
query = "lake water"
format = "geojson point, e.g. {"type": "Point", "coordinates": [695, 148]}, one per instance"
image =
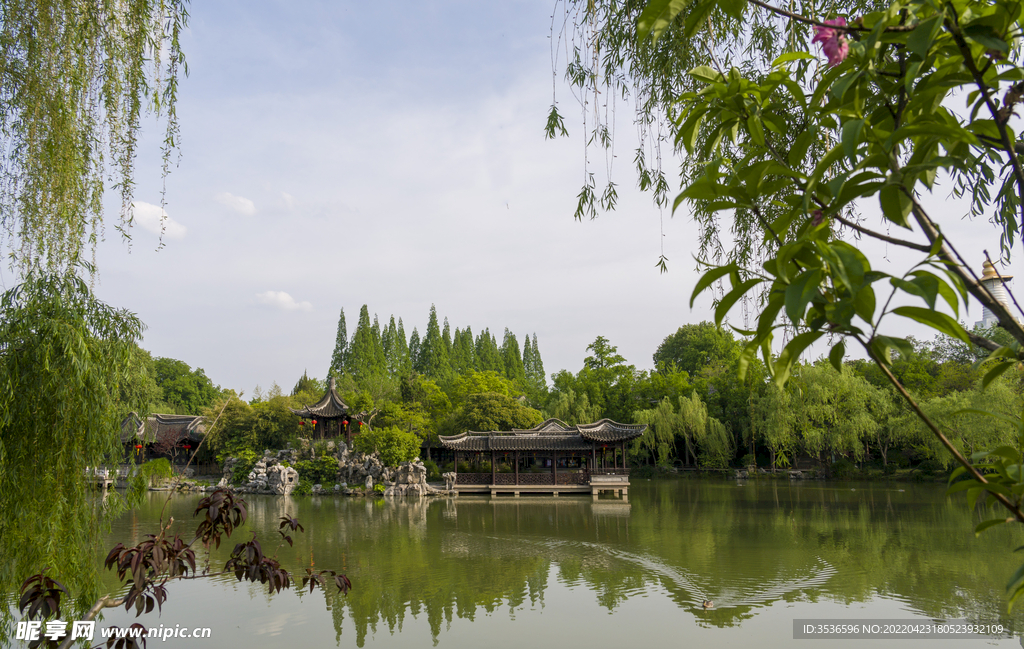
{"type": "Point", "coordinates": [570, 571]}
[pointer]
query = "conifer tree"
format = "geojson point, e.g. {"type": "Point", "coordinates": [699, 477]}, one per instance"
{"type": "Point", "coordinates": [536, 386]}
{"type": "Point", "coordinates": [446, 338]}
{"type": "Point", "coordinates": [535, 374]}
{"type": "Point", "coordinates": [512, 359]}
{"type": "Point", "coordinates": [363, 360]}
{"type": "Point", "coordinates": [403, 354]}
{"type": "Point", "coordinates": [462, 351]}
{"type": "Point", "coordinates": [488, 358]}
{"type": "Point", "coordinates": [414, 349]}
{"type": "Point", "coordinates": [340, 355]}
{"type": "Point", "coordinates": [380, 361]}
{"type": "Point", "coordinates": [389, 344]}
{"type": "Point", "coordinates": [433, 356]}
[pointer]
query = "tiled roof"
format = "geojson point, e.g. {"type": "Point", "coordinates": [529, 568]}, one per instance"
{"type": "Point", "coordinates": [180, 427]}
{"type": "Point", "coordinates": [329, 407]}
{"type": "Point", "coordinates": [607, 430]}
{"type": "Point", "coordinates": [552, 434]}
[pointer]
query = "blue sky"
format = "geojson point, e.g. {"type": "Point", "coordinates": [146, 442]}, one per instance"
{"type": "Point", "coordinates": [336, 154]}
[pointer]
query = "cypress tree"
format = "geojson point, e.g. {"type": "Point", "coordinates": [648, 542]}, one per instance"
{"type": "Point", "coordinates": [446, 338]}
{"type": "Point", "coordinates": [433, 356]}
{"type": "Point", "coordinates": [363, 360]}
{"type": "Point", "coordinates": [488, 358]}
{"type": "Point", "coordinates": [536, 384]}
{"type": "Point", "coordinates": [462, 351]}
{"type": "Point", "coordinates": [389, 343]}
{"type": "Point", "coordinates": [414, 349]}
{"type": "Point", "coordinates": [403, 354]}
{"type": "Point", "coordinates": [380, 360]}
{"type": "Point", "coordinates": [340, 356]}
{"type": "Point", "coordinates": [512, 359]}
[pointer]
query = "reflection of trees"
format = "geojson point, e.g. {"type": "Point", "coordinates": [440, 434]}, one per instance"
{"type": "Point", "coordinates": [745, 547]}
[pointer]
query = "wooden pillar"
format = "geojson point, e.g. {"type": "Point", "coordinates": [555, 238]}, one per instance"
{"type": "Point", "coordinates": [593, 456]}
{"type": "Point", "coordinates": [554, 467]}
{"type": "Point", "coordinates": [494, 469]}
{"type": "Point", "coordinates": [456, 461]}
{"type": "Point", "coordinates": [517, 466]}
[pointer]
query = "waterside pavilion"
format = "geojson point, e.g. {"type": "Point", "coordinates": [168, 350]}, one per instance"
{"type": "Point", "coordinates": [551, 458]}
{"type": "Point", "coordinates": [330, 416]}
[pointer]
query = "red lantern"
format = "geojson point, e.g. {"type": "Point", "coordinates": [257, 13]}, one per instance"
{"type": "Point", "coordinates": [188, 446]}
{"type": "Point", "coordinates": [138, 446]}
{"type": "Point", "coordinates": [314, 422]}
{"type": "Point", "coordinates": [302, 423]}
{"type": "Point", "coordinates": [360, 424]}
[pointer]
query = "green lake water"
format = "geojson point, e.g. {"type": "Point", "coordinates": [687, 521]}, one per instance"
{"type": "Point", "coordinates": [571, 571]}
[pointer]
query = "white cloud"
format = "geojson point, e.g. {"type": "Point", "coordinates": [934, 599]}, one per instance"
{"type": "Point", "coordinates": [153, 218]}
{"type": "Point", "coordinates": [237, 203]}
{"type": "Point", "coordinates": [289, 200]}
{"type": "Point", "coordinates": [283, 301]}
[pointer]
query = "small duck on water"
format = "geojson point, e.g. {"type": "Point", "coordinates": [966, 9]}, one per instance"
{"type": "Point", "coordinates": [708, 603]}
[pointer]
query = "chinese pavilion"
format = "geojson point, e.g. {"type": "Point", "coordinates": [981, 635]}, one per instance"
{"type": "Point", "coordinates": [330, 416]}
{"type": "Point", "coordinates": [552, 457]}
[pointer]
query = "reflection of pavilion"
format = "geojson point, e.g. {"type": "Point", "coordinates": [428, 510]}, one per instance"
{"type": "Point", "coordinates": [551, 458]}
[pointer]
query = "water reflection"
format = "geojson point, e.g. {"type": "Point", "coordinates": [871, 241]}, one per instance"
{"type": "Point", "coordinates": [470, 570]}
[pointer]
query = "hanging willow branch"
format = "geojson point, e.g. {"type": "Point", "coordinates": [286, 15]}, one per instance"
{"type": "Point", "coordinates": [75, 77]}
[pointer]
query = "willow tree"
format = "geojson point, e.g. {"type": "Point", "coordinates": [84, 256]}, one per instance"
{"type": "Point", "coordinates": [76, 76]}
{"type": "Point", "coordinates": [65, 358]}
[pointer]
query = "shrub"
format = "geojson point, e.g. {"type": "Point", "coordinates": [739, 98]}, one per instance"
{"type": "Point", "coordinates": [433, 473]}
{"type": "Point", "coordinates": [842, 468]}
{"type": "Point", "coordinates": [246, 461]}
{"type": "Point", "coordinates": [323, 470]}
{"type": "Point", "coordinates": [379, 488]}
{"type": "Point", "coordinates": [393, 444]}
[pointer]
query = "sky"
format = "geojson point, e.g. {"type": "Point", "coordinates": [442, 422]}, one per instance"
{"type": "Point", "coordinates": [335, 154]}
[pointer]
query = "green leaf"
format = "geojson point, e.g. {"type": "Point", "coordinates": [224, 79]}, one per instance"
{"type": "Point", "coordinates": [708, 278]}
{"type": "Point", "coordinates": [791, 56]}
{"type": "Point", "coordinates": [851, 136]}
{"type": "Point", "coordinates": [733, 8]}
{"type": "Point", "coordinates": [920, 40]}
{"type": "Point", "coordinates": [732, 296]}
{"type": "Point", "coordinates": [791, 353]}
{"type": "Point", "coordinates": [992, 522]}
{"type": "Point", "coordinates": [657, 16]}
{"type": "Point", "coordinates": [755, 129]}
{"type": "Point", "coordinates": [987, 36]}
{"type": "Point", "coordinates": [896, 205]}
{"type": "Point", "coordinates": [934, 319]}
{"type": "Point", "coordinates": [697, 17]}
{"type": "Point", "coordinates": [836, 355]}
{"type": "Point", "coordinates": [706, 74]}
{"type": "Point", "coordinates": [864, 304]}
{"type": "Point", "coordinates": [995, 373]}
{"type": "Point", "coordinates": [800, 292]}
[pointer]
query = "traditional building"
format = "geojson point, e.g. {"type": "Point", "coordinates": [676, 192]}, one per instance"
{"type": "Point", "coordinates": [171, 436]}
{"type": "Point", "coordinates": [330, 417]}
{"type": "Point", "coordinates": [553, 457]}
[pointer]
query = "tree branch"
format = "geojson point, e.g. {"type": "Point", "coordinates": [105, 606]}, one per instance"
{"type": "Point", "coordinates": [920, 247]}
{"type": "Point", "coordinates": [809, 21]}
{"type": "Point", "coordinates": [963, 461]}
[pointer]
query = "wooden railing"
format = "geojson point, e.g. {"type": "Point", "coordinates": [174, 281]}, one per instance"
{"type": "Point", "coordinates": [504, 479]}
{"type": "Point", "coordinates": [611, 472]}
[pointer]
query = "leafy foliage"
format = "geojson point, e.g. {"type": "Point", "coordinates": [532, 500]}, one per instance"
{"type": "Point", "coordinates": [76, 78]}
{"type": "Point", "coordinates": [394, 445]}
{"type": "Point", "coordinates": [65, 358]}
